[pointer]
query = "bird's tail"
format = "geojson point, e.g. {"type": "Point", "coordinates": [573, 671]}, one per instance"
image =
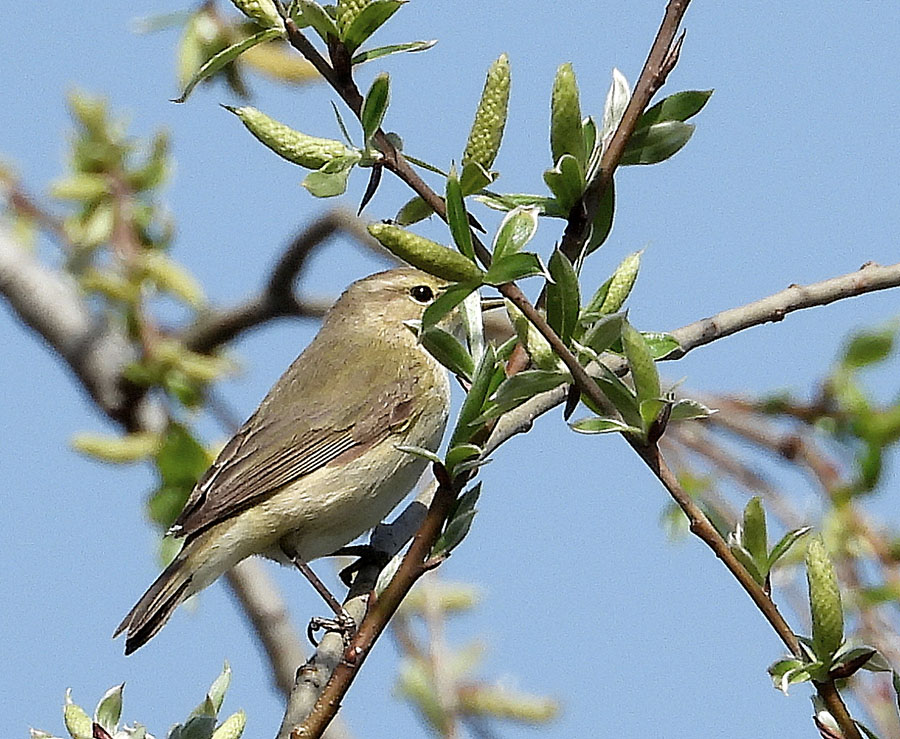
{"type": "Point", "coordinates": [155, 607]}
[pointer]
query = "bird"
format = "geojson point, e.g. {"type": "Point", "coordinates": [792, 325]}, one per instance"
{"type": "Point", "coordinates": [317, 464]}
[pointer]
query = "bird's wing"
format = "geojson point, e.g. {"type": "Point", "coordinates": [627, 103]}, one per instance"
{"type": "Point", "coordinates": [274, 449]}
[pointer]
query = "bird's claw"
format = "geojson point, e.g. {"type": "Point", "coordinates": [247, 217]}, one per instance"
{"type": "Point", "coordinates": [343, 623]}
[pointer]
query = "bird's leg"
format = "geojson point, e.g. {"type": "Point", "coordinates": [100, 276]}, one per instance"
{"type": "Point", "coordinates": [365, 555]}
{"type": "Point", "coordinates": [342, 622]}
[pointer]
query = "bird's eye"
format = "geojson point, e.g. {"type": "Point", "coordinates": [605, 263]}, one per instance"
{"type": "Point", "coordinates": [421, 294]}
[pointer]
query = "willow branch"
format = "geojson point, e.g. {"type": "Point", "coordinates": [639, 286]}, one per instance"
{"type": "Point", "coordinates": [660, 61]}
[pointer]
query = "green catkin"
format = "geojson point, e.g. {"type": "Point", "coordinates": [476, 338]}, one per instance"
{"type": "Point", "coordinates": [347, 12]}
{"type": "Point", "coordinates": [824, 600]}
{"type": "Point", "coordinates": [307, 151]}
{"type": "Point", "coordinates": [566, 136]}
{"type": "Point", "coordinates": [490, 117]}
{"type": "Point", "coordinates": [425, 254]}
{"type": "Point", "coordinates": [622, 282]}
{"type": "Point", "coordinates": [262, 11]}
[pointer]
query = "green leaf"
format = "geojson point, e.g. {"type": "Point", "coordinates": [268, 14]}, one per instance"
{"type": "Point", "coordinates": [603, 221]}
{"type": "Point", "coordinates": [198, 727]}
{"type": "Point", "coordinates": [785, 543]}
{"type": "Point", "coordinates": [377, 53]}
{"type": "Point", "coordinates": [677, 107]}
{"type": "Point", "coordinates": [369, 20]}
{"type": "Point", "coordinates": [419, 451]}
{"type": "Point", "coordinates": [514, 267]}
{"type": "Point", "coordinates": [413, 211]}
{"type": "Point", "coordinates": [446, 302]}
{"type": "Point", "coordinates": [566, 181]}
{"type": "Point", "coordinates": [375, 105]}
{"type": "Point", "coordinates": [459, 454]}
{"type": "Point", "coordinates": [604, 333]}
{"type": "Point", "coordinates": [459, 524]}
{"type": "Point", "coordinates": [563, 296]}
{"type": "Point", "coordinates": [753, 534]}
{"type": "Point", "coordinates": [474, 177]}
{"type": "Point", "coordinates": [317, 17]}
{"type": "Point", "coordinates": [657, 143]}
{"type": "Point", "coordinates": [181, 459]}
{"type": "Point", "coordinates": [522, 386]}
{"type": "Point", "coordinates": [746, 559]}
{"type": "Point", "coordinates": [602, 425]}
{"type": "Point", "coordinates": [688, 410]}
{"type": "Point", "coordinates": [640, 361]}
{"type": "Point", "coordinates": [621, 396]}
{"type": "Point", "coordinates": [651, 409]}
{"type": "Point", "coordinates": [507, 201]}
{"type": "Point", "coordinates": [447, 350]}
{"type": "Point", "coordinates": [327, 184]}
{"type": "Point", "coordinates": [474, 401]}
{"type": "Point", "coordinates": [591, 311]}
{"type": "Point", "coordinates": [457, 217]}
{"type": "Point", "coordinates": [218, 61]}
{"type": "Point", "coordinates": [232, 727]}
{"type": "Point", "coordinates": [661, 344]}
{"type": "Point", "coordinates": [787, 672]}
{"type": "Point", "coordinates": [516, 230]}
{"type": "Point", "coordinates": [617, 98]}
{"type": "Point", "coordinates": [109, 709]}
{"type": "Point", "coordinates": [219, 687]}
{"type": "Point", "coordinates": [869, 347]}
{"type": "Point", "coordinates": [591, 135]}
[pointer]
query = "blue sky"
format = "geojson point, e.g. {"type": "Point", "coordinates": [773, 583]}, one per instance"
{"type": "Point", "coordinates": [790, 177]}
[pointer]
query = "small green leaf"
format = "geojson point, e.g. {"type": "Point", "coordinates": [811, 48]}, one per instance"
{"type": "Point", "coordinates": [746, 559]}
{"type": "Point", "coordinates": [447, 350]}
{"type": "Point", "coordinates": [181, 459]}
{"type": "Point", "coordinates": [474, 401]}
{"type": "Point", "coordinates": [869, 347]}
{"type": "Point", "coordinates": [522, 386]}
{"type": "Point", "coordinates": [459, 524]}
{"type": "Point", "coordinates": [507, 201]}
{"type": "Point", "coordinates": [369, 20]}
{"type": "Point", "coordinates": [617, 98]}
{"type": "Point", "coordinates": [413, 211]}
{"type": "Point", "coordinates": [232, 727]}
{"type": "Point", "coordinates": [787, 672]}
{"type": "Point", "coordinates": [460, 453]}
{"type": "Point", "coordinates": [657, 143]}
{"type": "Point", "coordinates": [563, 296]}
{"type": "Point", "coordinates": [514, 267]}
{"type": "Point", "coordinates": [603, 221]}
{"type": "Point", "coordinates": [785, 543]}
{"type": "Point", "coordinates": [375, 105]}
{"type": "Point", "coordinates": [640, 361]}
{"type": "Point", "coordinates": [516, 230]}
{"type": "Point", "coordinates": [446, 302]}
{"type": "Point", "coordinates": [377, 53]}
{"type": "Point", "coordinates": [601, 425]}
{"type": "Point", "coordinates": [327, 184]}
{"type": "Point", "coordinates": [651, 410]}
{"type": "Point", "coordinates": [474, 178]}
{"type": "Point", "coordinates": [753, 534]}
{"type": "Point", "coordinates": [677, 107]}
{"type": "Point", "coordinates": [419, 451]}
{"type": "Point", "coordinates": [109, 709]}
{"type": "Point", "coordinates": [591, 135]}
{"type": "Point", "coordinates": [661, 344]}
{"type": "Point", "coordinates": [317, 17]}
{"type": "Point", "coordinates": [591, 311]}
{"type": "Point", "coordinates": [219, 687]}
{"type": "Point", "coordinates": [198, 727]}
{"type": "Point", "coordinates": [621, 396]}
{"type": "Point", "coordinates": [604, 333]}
{"type": "Point", "coordinates": [457, 217]}
{"type": "Point", "coordinates": [566, 182]}
{"type": "Point", "coordinates": [218, 61]}
{"type": "Point", "coordinates": [688, 410]}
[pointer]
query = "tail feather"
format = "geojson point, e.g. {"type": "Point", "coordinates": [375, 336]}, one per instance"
{"type": "Point", "coordinates": [155, 607]}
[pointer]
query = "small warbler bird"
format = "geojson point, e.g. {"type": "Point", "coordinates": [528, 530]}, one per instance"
{"type": "Point", "coordinates": [317, 464]}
